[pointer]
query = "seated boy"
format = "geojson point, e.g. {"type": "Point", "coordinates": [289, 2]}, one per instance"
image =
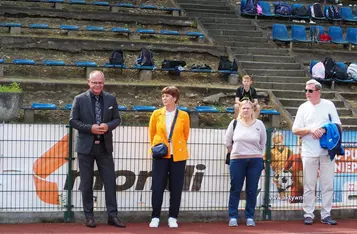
{"type": "Point", "coordinates": [246, 92]}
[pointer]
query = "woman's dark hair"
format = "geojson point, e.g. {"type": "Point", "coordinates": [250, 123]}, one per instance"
{"type": "Point", "coordinates": [173, 91]}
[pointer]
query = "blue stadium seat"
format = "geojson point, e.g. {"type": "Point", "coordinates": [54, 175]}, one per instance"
{"type": "Point", "coordinates": [346, 14]}
{"type": "Point", "coordinates": [227, 71]}
{"type": "Point", "coordinates": [183, 108]}
{"type": "Point", "coordinates": [4, 24]}
{"type": "Point", "coordinates": [127, 5]}
{"type": "Point", "coordinates": [170, 8]}
{"type": "Point", "coordinates": [145, 31]}
{"type": "Point", "coordinates": [280, 33]}
{"type": "Point", "coordinates": [151, 7]}
{"type": "Point", "coordinates": [108, 65]}
{"type": "Point", "coordinates": [55, 1]}
{"type": "Point", "coordinates": [85, 64]}
{"type": "Point", "coordinates": [206, 109]}
{"type": "Point", "coordinates": [341, 65]}
{"type": "Point", "coordinates": [144, 108]}
{"type": "Point", "coordinates": [336, 34]}
{"type": "Point", "coordinates": [121, 30]}
{"type": "Point", "coordinates": [229, 109]}
{"type": "Point", "coordinates": [201, 70]}
{"type": "Point", "coordinates": [24, 61]}
{"type": "Point", "coordinates": [139, 67]}
{"type": "Point", "coordinates": [266, 9]}
{"type": "Point", "coordinates": [95, 28]}
{"type": "Point", "coordinates": [101, 3]}
{"type": "Point", "coordinates": [351, 35]}
{"type": "Point", "coordinates": [77, 2]}
{"type": "Point", "coordinates": [122, 108]}
{"type": "Point", "coordinates": [54, 63]}
{"type": "Point", "coordinates": [169, 32]}
{"type": "Point", "coordinates": [269, 112]}
{"type": "Point", "coordinates": [68, 107]}
{"type": "Point", "coordinates": [41, 26]}
{"type": "Point", "coordinates": [2, 60]}
{"type": "Point", "coordinates": [298, 33]}
{"type": "Point", "coordinates": [69, 27]}
{"type": "Point", "coordinates": [312, 63]}
{"type": "Point", "coordinates": [43, 106]}
{"type": "Point", "coordinates": [297, 6]}
{"type": "Point", "coordinates": [196, 34]}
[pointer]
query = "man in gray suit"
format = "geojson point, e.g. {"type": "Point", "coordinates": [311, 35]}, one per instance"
{"type": "Point", "coordinates": [95, 115]}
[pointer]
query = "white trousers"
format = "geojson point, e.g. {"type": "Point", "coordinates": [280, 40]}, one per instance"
{"type": "Point", "coordinates": [327, 171]}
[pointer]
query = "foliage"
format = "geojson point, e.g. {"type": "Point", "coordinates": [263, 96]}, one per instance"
{"type": "Point", "coordinates": [12, 88]}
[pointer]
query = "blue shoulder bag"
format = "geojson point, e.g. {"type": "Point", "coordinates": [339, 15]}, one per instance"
{"type": "Point", "coordinates": [160, 150]}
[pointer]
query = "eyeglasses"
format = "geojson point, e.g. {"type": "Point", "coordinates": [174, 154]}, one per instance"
{"type": "Point", "coordinates": [309, 90]}
{"type": "Point", "coordinates": [97, 83]}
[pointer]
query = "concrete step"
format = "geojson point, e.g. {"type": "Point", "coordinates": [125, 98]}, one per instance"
{"type": "Point", "coordinates": [275, 85]}
{"type": "Point", "coordinates": [270, 65]}
{"type": "Point", "coordinates": [211, 15]}
{"type": "Point", "coordinates": [248, 44]}
{"type": "Point", "coordinates": [294, 102]}
{"type": "Point", "coordinates": [206, 10]}
{"type": "Point", "coordinates": [349, 127]}
{"type": "Point", "coordinates": [301, 94]}
{"type": "Point", "coordinates": [348, 120]}
{"type": "Point", "coordinates": [230, 20]}
{"type": "Point", "coordinates": [220, 6]}
{"type": "Point", "coordinates": [276, 72]}
{"type": "Point", "coordinates": [265, 58]}
{"type": "Point", "coordinates": [341, 111]}
{"type": "Point", "coordinates": [260, 51]}
{"type": "Point", "coordinates": [234, 27]}
{"type": "Point", "coordinates": [281, 79]}
{"type": "Point", "coordinates": [229, 39]}
{"type": "Point", "coordinates": [253, 33]}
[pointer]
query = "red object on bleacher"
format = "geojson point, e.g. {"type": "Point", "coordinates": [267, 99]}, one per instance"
{"type": "Point", "coordinates": [325, 37]}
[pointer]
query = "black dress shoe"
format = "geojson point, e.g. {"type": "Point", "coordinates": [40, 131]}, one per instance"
{"type": "Point", "coordinates": [90, 222]}
{"type": "Point", "coordinates": [115, 221]}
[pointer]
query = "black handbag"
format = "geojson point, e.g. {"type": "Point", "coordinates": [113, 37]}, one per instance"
{"type": "Point", "coordinates": [160, 150]}
{"type": "Point", "coordinates": [228, 155]}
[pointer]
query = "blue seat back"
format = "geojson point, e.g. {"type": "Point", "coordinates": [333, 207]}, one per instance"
{"type": "Point", "coordinates": [298, 32]}
{"type": "Point", "coordinates": [351, 35]}
{"type": "Point", "coordinates": [144, 108]}
{"type": "Point", "coordinates": [280, 31]}
{"type": "Point", "coordinates": [296, 6]}
{"type": "Point", "coordinates": [335, 33]}
{"type": "Point", "coordinates": [43, 106]}
{"type": "Point", "coordinates": [341, 65]}
{"type": "Point", "coordinates": [312, 63]}
{"type": "Point", "coordinates": [346, 13]}
{"type": "Point", "coordinates": [266, 8]}
{"type": "Point", "coordinates": [206, 109]}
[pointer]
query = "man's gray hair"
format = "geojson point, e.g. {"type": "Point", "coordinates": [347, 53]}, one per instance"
{"type": "Point", "coordinates": [317, 84]}
{"type": "Point", "coordinates": [94, 73]}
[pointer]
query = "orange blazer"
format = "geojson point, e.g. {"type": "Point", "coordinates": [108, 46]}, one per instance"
{"type": "Point", "coordinates": [157, 133]}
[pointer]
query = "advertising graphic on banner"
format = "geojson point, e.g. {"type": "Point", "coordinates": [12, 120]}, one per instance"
{"type": "Point", "coordinates": [34, 171]}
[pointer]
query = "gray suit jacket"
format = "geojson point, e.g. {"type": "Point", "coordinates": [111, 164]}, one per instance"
{"type": "Point", "coordinates": [82, 119]}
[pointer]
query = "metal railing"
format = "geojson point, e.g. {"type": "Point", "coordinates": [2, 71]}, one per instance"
{"type": "Point", "coordinates": [39, 172]}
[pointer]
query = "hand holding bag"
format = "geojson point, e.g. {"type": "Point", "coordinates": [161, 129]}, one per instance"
{"type": "Point", "coordinates": [160, 150]}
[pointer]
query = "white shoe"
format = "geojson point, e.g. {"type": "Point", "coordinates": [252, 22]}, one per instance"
{"type": "Point", "coordinates": [154, 223]}
{"type": "Point", "coordinates": [233, 222]}
{"type": "Point", "coordinates": [312, 22]}
{"type": "Point", "coordinates": [172, 222]}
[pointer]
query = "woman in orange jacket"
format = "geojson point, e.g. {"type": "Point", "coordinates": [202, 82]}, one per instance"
{"type": "Point", "coordinates": [172, 166]}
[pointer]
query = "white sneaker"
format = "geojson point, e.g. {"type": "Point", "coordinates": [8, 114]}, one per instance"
{"type": "Point", "coordinates": [154, 223]}
{"type": "Point", "coordinates": [172, 222]}
{"type": "Point", "coordinates": [233, 222]}
{"type": "Point", "coordinates": [312, 22]}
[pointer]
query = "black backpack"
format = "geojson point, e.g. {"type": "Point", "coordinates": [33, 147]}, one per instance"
{"type": "Point", "coordinates": [316, 11]}
{"type": "Point", "coordinates": [330, 66]}
{"type": "Point", "coordinates": [331, 12]}
{"type": "Point", "coordinates": [224, 63]}
{"type": "Point", "coordinates": [250, 7]}
{"type": "Point", "coordinates": [172, 63]}
{"type": "Point", "coordinates": [146, 58]}
{"type": "Point", "coordinates": [234, 66]}
{"type": "Point", "coordinates": [116, 57]}
{"type": "Point", "coordinates": [340, 73]}
{"type": "Point", "coordinates": [301, 11]}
